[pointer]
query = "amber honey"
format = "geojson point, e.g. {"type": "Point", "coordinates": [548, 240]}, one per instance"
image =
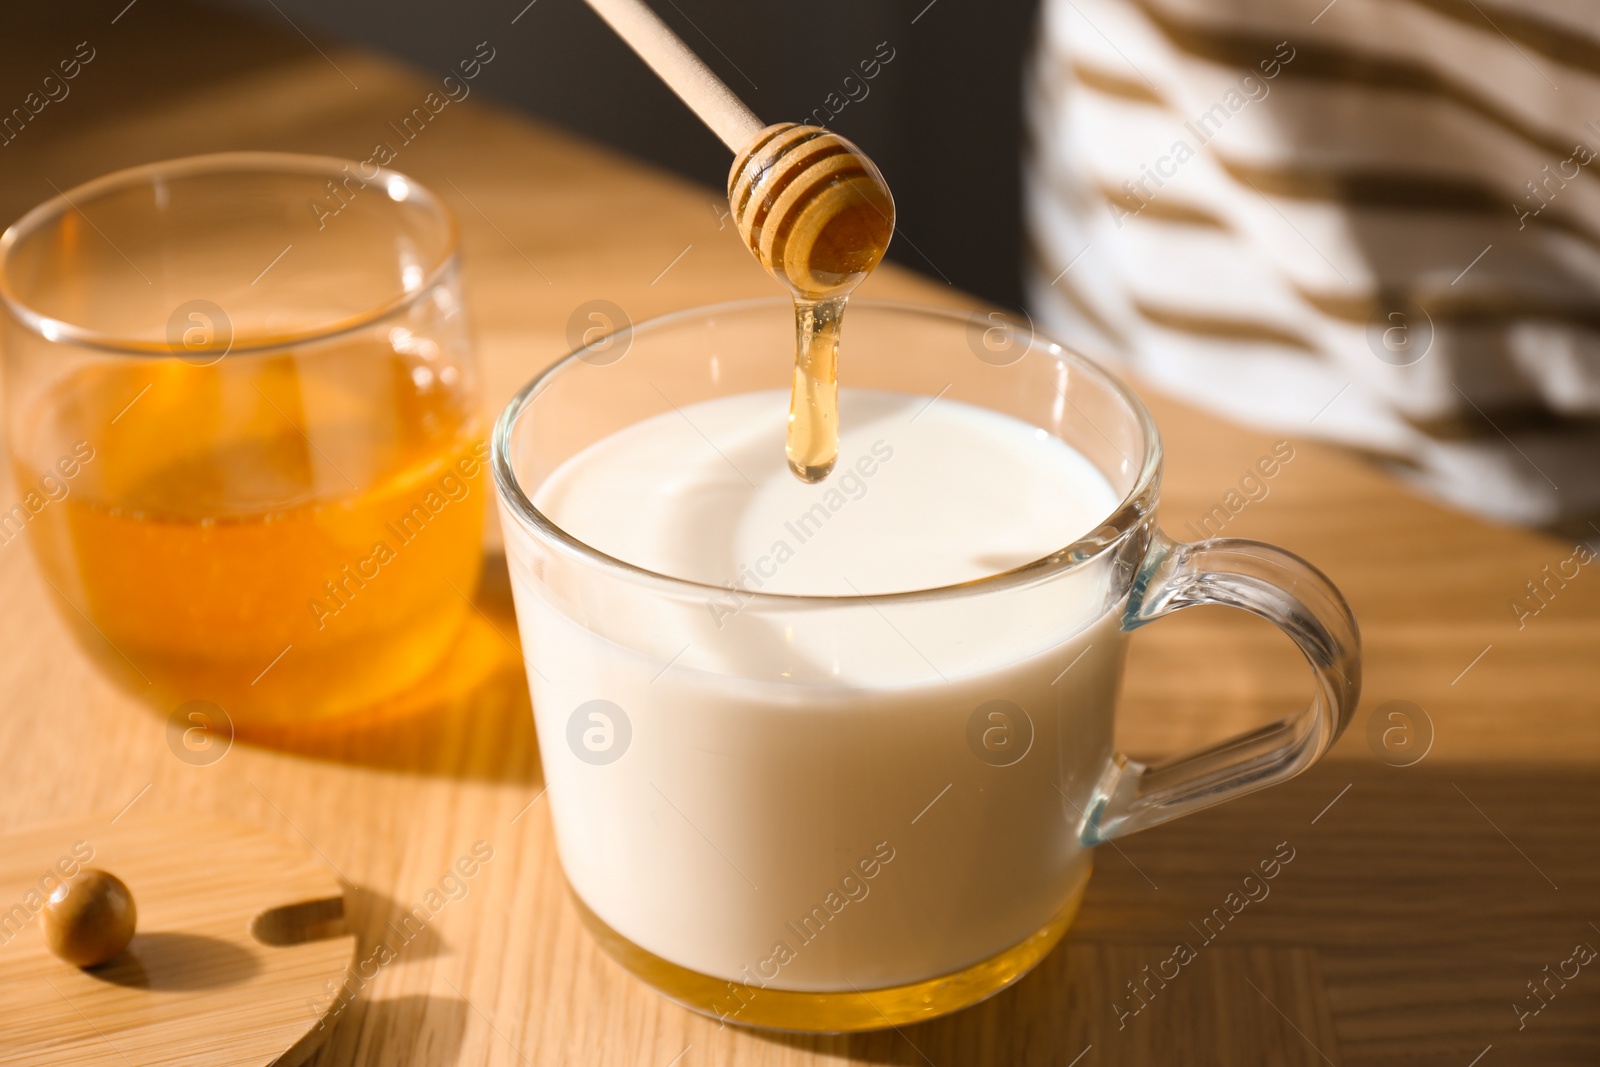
{"type": "Point", "coordinates": [818, 216]}
{"type": "Point", "coordinates": [842, 1011]}
{"type": "Point", "coordinates": [290, 537]}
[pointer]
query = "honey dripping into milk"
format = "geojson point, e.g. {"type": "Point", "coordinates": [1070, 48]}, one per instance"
{"type": "Point", "coordinates": [818, 216]}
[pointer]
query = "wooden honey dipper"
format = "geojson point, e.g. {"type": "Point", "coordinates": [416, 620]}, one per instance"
{"type": "Point", "coordinates": [810, 205]}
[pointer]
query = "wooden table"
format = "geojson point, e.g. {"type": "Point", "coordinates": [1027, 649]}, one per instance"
{"type": "Point", "coordinates": [1421, 900]}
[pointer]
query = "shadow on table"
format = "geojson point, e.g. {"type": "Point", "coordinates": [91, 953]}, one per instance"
{"type": "Point", "coordinates": [377, 918]}
{"type": "Point", "coordinates": [470, 718]}
{"type": "Point", "coordinates": [397, 1030]}
{"type": "Point", "coordinates": [1419, 903]}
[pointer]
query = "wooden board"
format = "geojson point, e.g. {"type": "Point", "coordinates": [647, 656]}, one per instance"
{"type": "Point", "coordinates": [241, 940]}
{"type": "Point", "coordinates": [1417, 908]}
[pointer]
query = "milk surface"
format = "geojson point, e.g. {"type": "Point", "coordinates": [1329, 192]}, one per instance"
{"type": "Point", "coordinates": [926, 493]}
{"type": "Point", "coordinates": [815, 795]}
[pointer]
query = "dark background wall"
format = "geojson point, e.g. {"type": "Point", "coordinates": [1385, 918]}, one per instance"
{"type": "Point", "coordinates": [942, 118]}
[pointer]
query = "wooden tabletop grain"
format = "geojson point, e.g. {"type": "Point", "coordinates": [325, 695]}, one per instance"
{"type": "Point", "coordinates": [1425, 903]}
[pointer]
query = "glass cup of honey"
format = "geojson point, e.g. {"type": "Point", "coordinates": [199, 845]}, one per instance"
{"type": "Point", "coordinates": [242, 411]}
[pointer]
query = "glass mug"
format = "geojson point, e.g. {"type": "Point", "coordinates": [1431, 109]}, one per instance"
{"type": "Point", "coordinates": [773, 847]}
{"type": "Point", "coordinates": [242, 416]}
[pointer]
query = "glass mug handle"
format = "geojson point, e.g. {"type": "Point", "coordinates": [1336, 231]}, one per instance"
{"type": "Point", "coordinates": [1286, 591]}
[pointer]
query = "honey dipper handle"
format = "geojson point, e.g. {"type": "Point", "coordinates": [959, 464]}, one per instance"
{"type": "Point", "coordinates": [682, 70]}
